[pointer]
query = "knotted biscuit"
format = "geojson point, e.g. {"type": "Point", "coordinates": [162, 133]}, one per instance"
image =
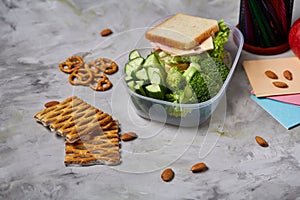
{"type": "Point", "coordinates": [100, 83]}
{"type": "Point", "coordinates": [81, 76]}
{"type": "Point", "coordinates": [106, 65]}
{"type": "Point", "coordinates": [72, 63]}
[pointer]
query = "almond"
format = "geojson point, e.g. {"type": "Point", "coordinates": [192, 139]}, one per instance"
{"type": "Point", "coordinates": [128, 136]}
{"type": "Point", "coordinates": [288, 75]}
{"type": "Point", "coordinates": [280, 84]}
{"type": "Point", "coordinates": [51, 103]}
{"type": "Point", "coordinates": [261, 141]}
{"type": "Point", "coordinates": [167, 175]}
{"type": "Point", "coordinates": [199, 167]}
{"type": "Point", "coordinates": [271, 74]}
{"type": "Point", "coordinates": [106, 32]}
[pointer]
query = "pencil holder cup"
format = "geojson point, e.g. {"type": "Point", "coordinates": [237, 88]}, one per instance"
{"type": "Point", "coordinates": [265, 25]}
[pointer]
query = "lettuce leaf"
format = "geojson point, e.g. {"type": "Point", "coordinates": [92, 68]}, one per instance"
{"type": "Point", "coordinates": [220, 39]}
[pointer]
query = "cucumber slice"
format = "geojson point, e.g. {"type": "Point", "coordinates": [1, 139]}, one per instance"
{"type": "Point", "coordinates": [151, 60]}
{"type": "Point", "coordinates": [133, 65]}
{"type": "Point", "coordinates": [140, 83]}
{"type": "Point", "coordinates": [134, 54]}
{"type": "Point", "coordinates": [142, 74]}
{"type": "Point", "coordinates": [139, 87]}
{"type": "Point", "coordinates": [155, 75]}
{"type": "Point", "coordinates": [155, 91]}
{"type": "Point", "coordinates": [136, 61]}
{"type": "Point", "coordinates": [131, 85]}
{"type": "Point", "coordinates": [128, 78]}
{"type": "Point", "coordinates": [128, 69]}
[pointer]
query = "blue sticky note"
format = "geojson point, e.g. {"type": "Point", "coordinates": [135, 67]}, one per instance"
{"type": "Point", "coordinates": [286, 114]}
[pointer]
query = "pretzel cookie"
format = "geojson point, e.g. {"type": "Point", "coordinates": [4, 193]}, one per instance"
{"type": "Point", "coordinates": [106, 65]}
{"type": "Point", "coordinates": [81, 76]}
{"type": "Point", "coordinates": [91, 67]}
{"type": "Point", "coordinates": [100, 83]}
{"type": "Point", "coordinates": [71, 64]}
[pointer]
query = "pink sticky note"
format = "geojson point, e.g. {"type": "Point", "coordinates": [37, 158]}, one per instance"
{"type": "Point", "coordinates": [288, 98]}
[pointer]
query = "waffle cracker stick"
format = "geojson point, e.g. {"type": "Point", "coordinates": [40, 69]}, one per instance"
{"type": "Point", "coordinates": [101, 147]}
{"type": "Point", "coordinates": [74, 118]}
{"type": "Point", "coordinates": [92, 136]}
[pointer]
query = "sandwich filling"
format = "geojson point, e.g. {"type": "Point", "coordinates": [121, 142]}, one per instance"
{"type": "Point", "coordinates": [204, 46]}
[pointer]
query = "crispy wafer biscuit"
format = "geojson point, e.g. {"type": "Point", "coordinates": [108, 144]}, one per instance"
{"type": "Point", "coordinates": [74, 118]}
{"type": "Point", "coordinates": [92, 136]}
{"type": "Point", "coordinates": [100, 147]}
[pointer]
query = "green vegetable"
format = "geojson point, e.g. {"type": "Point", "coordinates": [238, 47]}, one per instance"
{"type": "Point", "coordinates": [155, 91]}
{"type": "Point", "coordinates": [175, 80]}
{"type": "Point", "coordinates": [189, 73]}
{"type": "Point", "coordinates": [155, 75]}
{"type": "Point", "coordinates": [133, 65]}
{"type": "Point", "coordinates": [222, 68]}
{"type": "Point", "coordinates": [208, 79]}
{"type": "Point", "coordinates": [142, 74]}
{"type": "Point", "coordinates": [139, 87]}
{"type": "Point", "coordinates": [215, 68]}
{"type": "Point", "coordinates": [171, 60]}
{"type": "Point", "coordinates": [134, 54]}
{"type": "Point", "coordinates": [177, 111]}
{"type": "Point", "coordinates": [220, 39]}
{"type": "Point", "coordinates": [199, 87]}
{"type": "Point", "coordinates": [184, 96]}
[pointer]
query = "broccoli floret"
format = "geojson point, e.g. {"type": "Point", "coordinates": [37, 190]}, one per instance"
{"type": "Point", "coordinates": [200, 88]}
{"type": "Point", "coordinates": [215, 68]}
{"type": "Point", "coordinates": [200, 85]}
{"type": "Point", "coordinates": [189, 73]}
{"type": "Point", "coordinates": [172, 97]}
{"type": "Point", "coordinates": [222, 68]}
{"type": "Point", "coordinates": [196, 58]}
{"type": "Point", "coordinates": [175, 80]}
{"type": "Point", "coordinates": [206, 77]}
{"type": "Point", "coordinates": [187, 95]}
{"type": "Point", "coordinates": [184, 96]}
{"type": "Point", "coordinates": [177, 111]}
{"type": "Point", "coordinates": [201, 81]}
{"type": "Point", "coordinates": [208, 81]}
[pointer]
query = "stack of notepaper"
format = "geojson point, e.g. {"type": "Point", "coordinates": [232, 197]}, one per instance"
{"type": "Point", "coordinates": [276, 87]}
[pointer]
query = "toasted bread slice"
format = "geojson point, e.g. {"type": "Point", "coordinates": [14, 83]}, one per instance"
{"type": "Point", "coordinates": [183, 31]}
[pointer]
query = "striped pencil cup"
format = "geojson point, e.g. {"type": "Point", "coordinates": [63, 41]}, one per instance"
{"type": "Point", "coordinates": [265, 25]}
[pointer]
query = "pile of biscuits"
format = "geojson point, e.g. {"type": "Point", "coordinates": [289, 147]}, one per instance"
{"type": "Point", "coordinates": [91, 135]}
{"type": "Point", "coordinates": [91, 74]}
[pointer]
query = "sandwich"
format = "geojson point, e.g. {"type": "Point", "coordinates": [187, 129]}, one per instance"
{"type": "Point", "coordinates": [183, 35]}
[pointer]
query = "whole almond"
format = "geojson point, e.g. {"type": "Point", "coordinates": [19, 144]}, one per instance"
{"type": "Point", "coordinates": [280, 84]}
{"type": "Point", "coordinates": [261, 141]}
{"type": "Point", "coordinates": [128, 136]}
{"type": "Point", "coordinates": [167, 175]}
{"type": "Point", "coordinates": [199, 167]}
{"type": "Point", "coordinates": [51, 103]}
{"type": "Point", "coordinates": [288, 75]}
{"type": "Point", "coordinates": [271, 74]}
{"type": "Point", "coordinates": [106, 32]}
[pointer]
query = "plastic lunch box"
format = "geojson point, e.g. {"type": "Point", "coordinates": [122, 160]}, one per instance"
{"type": "Point", "coordinates": [154, 109]}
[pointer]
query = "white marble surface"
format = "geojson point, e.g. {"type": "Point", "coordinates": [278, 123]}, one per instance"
{"type": "Point", "coordinates": [37, 35]}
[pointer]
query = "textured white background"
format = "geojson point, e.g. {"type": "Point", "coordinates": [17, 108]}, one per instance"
{"type": "Point", "coordinates": [37, 35]}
